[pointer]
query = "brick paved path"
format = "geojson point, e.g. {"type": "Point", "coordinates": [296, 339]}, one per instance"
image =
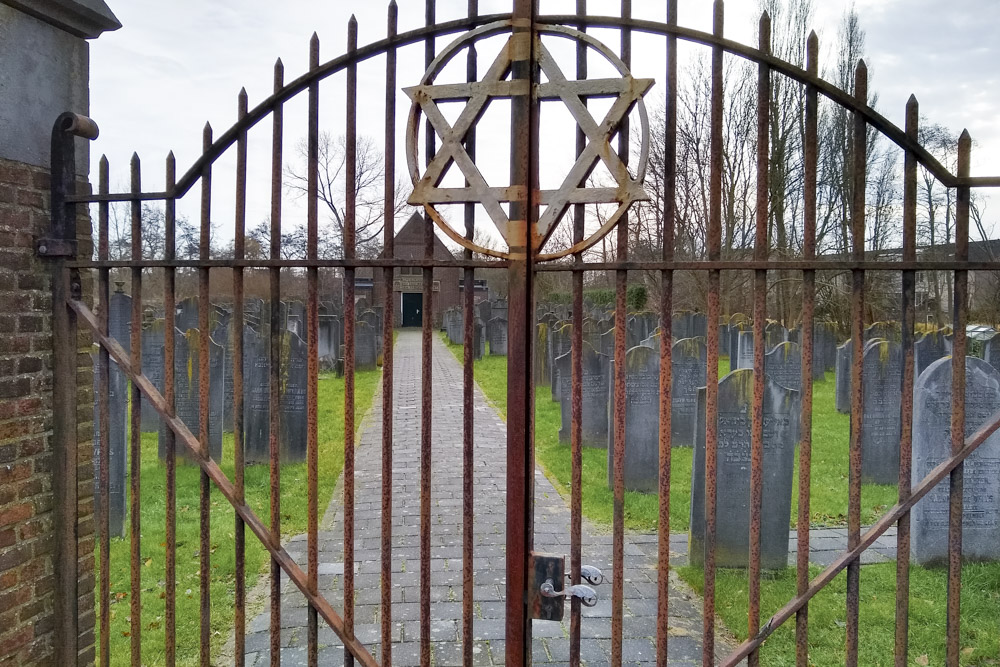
{"type": "Point", "coordinates": [552, 521]}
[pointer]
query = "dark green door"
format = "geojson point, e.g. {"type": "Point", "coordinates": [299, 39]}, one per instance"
{"type": "Point", "coordinates": [413, 307]}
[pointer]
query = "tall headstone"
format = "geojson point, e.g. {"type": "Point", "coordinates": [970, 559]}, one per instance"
{"type": "Point", "coordinates": [186, 394]}
{"type": "Point", "coordinates": [365, 347]}
{"type": "Point", "coordinates": [932, 406]}
{"type": "Point", "coordinates": [496, 334]}
{"type": "Point", "coordinates": [594, 391]}
{"type": "Point", "coordinates": [881, 425]}
{"type": "Point", "coordinates": [293, 398]}
{"type": "Point", "coordinates": [186, 314]}
{"type": "Point", "coordinates": [560, 341]}
{"type": "Point", "coordinates": [926, 350]}
{"type": "Point", "coordinates": [991, 351]}
{"type": "Point", "coordinates": [735, 330]}
{"type": "Point", "coordinates": [745, 347]}
{"type": "Point", "coordinates": [781, 433]}
{"type": "Point", "coordinates": [478, 339]}
{"type": "Point", "coordinates": [642, 421]}
{"type": "Point", "coordinates": [783, 364]}
{"type": "Point", "coordinates": [842, 389]}
{"type": "Point", "coordinates": [724, 340]}
{"type": "Point", "coordinates": [543, 372]}
{"type": "Point", "coordinates": [257, 393]}
{"type": "Point", "coordinates": [688, 371]}
{"type": "Point", "coordinates": [774, 334]}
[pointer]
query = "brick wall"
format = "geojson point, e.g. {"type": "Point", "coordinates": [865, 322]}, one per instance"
{"type": "Point", "coordinates": [26, 525]}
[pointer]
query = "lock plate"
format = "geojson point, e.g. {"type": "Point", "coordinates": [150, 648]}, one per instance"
{"type": "Point", "coordinates": [544, 567]}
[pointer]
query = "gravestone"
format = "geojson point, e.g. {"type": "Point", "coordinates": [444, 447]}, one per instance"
{"type": "Point", "coordinates": [117, 401]}
{"type": "Point", "coordinates": [484, 309]}
{"type": "Point", "coordinates": [795, 336]}
{"type": "Point", "coordinates": [734, 343]}
{"type": "Point", "coordinates": [781, 433]}
{"type": "Point", "coordinates": [608, 342]}
{"type": "Point", "coordinates": [186, 314]}
{"type": "Point", "coordinates": [774, 334]}
{"type": "Point", "coordinates": [257, 387]}
{"type": "Point", "coordinates": [478, 340]}
{"type": "Point", "coordinates": [499, 309]}
{"type": "Point", "coordinates": [186, 394]}
{"type": "Point", "coordinates": [682, 324]}
{"type": "Point", "coordinates": [842, 389]}
{"type": "Point", "coordinates": [293, 398]}
{"type": "Point", "coordinates": [365, 347]}
{"type": "Point", "coordinates": [688, 370]}
{"type": "Point", "coordinates": [153, 351]}
{"type": "Point", "coordinates": [926, 350]}
{"type": "Point", "coordinates": [496, 333]}
{"type": "Point", "coordinates": [745, 350]}
{"type": "Point", "coordinates": [560, 341]}
{"type": "Point", "coordinates": [821, 347]}
{"type": "Point", "coordinates": [595, 384]}
{"type": "Point", "coordinates": [326, 344]}
{"type": "Point", "coordinates": [642, 421]}
{"type": "Point", "coordinates": [724, 340]}
{"type": "Point", "coordinates": [932, 406]}
{"type": "Point", "coordinates": [543, 372]}
{"type": "Point", "coordinates": [880, 429]}
{"type": "Point", "coordinates": [699, 325]}
{"type": "Point", "coordinates": [783, 364]}
{"type": "Point", "coordinates": [991, 351]}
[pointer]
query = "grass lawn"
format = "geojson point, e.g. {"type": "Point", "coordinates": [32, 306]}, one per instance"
{"type": "Point", "coordinates": [153, 547]}
{"type": "Point", "coordinates": [828, 507]}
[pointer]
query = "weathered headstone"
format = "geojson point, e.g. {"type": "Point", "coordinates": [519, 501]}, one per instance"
{"type": "Point", "coordinates": [594, 391]}
{"type": "Point", "coordinates": [926, 350]}
{"type": "Point", "coordinates": [543, 372]}
{"type": "Point", "coordinates": [724, 340]}
{"type": "Point", "coordinates": [186, 314]}
{"type": "Point", "coordinates": [365, 347]}
{"type": "Point", "coordinates": [153, 342]}
{"type": "Point", "coordinates": [783, 364]}
{"type": "Point", "coordinates": [745, 350]}
{"type": "Point", "coordinates": [734, 343]}
{"type": "Point", "coordinates": [560, 341]}
{"type": "Point", "coordinates": [781, 433]}
{"type": "Point", "coordinates": [880, 426]}
{"type": "Point", "coordinates": [293, 398]}
{"type": "Point", "coordinates": [257, 388]}
{"type": "Point", "coordinates": [932, 407]}
{"type": "Point", "coordinates": [478, 339]}
{"type": "Point", "coordinates": [842, 389]}
{"type": "Point", "coordinates": [688, 370]}
{"type": "Point", "coordinates": [496, 334]}
{"type": "Point", "coordinates": [642, 421]}
{"type": "Point", "coordinates": [186, 394]}
{"type": "Point", "coordinates": [117, 402]}
{"type": "Point", "coordinates": [991, 351]}
{"type": "Point", "coordinates": [774, 334]}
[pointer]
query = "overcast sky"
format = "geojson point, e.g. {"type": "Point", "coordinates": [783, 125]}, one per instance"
{"type": "Point", "coordinates": [175, 65]}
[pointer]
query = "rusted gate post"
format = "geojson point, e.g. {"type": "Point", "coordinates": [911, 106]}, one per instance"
{"type": "Point", "coordinates": [520, 386]}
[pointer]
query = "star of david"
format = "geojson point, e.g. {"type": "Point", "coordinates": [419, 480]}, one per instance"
{"type": "Point", "coordinates": [626, 91]}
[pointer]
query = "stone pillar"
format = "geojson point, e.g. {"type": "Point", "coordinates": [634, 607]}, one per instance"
{"type": "Point", "coordinates": [44, 71]}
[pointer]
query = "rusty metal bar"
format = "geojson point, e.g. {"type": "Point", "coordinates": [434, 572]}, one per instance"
{"type": "Point", "coordinates": [275, 334]}
{"type": "Point", "coordinates": [926, 485]}
{"type": "Point", "coordinates": [958, 354]}
{"type": "Point", "coordinates": [170, 441]}
{"type": "Point", "coordinates": [236, 333]}
{"type": "Point", "coordinates": [906, 399]}
{"type": "Point", "coordinates": [520, 307]}
{"type": "Point", "coordinates": [102, 398]}
{"type": "Point", "coordinates": [468, 407]}
{"type": "Point", "coordinates": [858, 158]}
{"type": "Point", "coordinates": [389, 312]}
{"type": "Point", "coordinates": [714, 234]}
{"type": "Point", "coordinates": [327, 263]}
{"type": "Point", "coordinates": [759, 317]}
{"type": "Point", "coordinates": [618, 409]}
{"type": "Point", "coordinates": [666, 347]}
{"type": "Point", "coordinates": [810, 160]}
{"type": "Point", "coordinates": [426, 386]}
{"type": "Point", "coordinates": [576, 387]}
{"type": "Point", "coordinates": [350, 213]}
{"type": "Point", "coordinates": [135, 428]}
{"type": "Point", "coordinates": [312, 363]}
{"type": "Point", "coordinates": [193, 450]}
{"type": "Point", "coordinates": [205, 499]}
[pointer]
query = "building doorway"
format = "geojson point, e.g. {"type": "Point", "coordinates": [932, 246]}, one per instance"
{"type": "Point", "coordinates": [413, 308]}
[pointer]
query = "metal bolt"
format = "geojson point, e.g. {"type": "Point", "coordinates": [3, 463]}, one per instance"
{"type": "Point", "coordinates": [42, 249]}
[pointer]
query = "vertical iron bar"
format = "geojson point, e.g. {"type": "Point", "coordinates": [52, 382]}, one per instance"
{"type": "Point", "coordinates": [312, 346]}
{"type": "Point", "coordinates": [205, 505]}
{"type": "Point", "coordinates": [389, 313]}
{"type": "Point", "coordinates": [666, 340]}
{"type": "Point", "coordinates": [958, 354]}
{"type": "Point", "coordinates": [170, 438]}
{"type": "Point", "coordinates": [618, 411]}
{"type": "Point", "coordinates": [759, 317]}
{"type": "Point", "coordinates": [906, 407]}
{"type": "Point", "coordinates": [859, 154]}
{"type": "Point", "coordinates": [275, 334]}
{"type": "Point", "coordinates": [468, 409]}
{"type": "Point", "coordinates": [811, 154]}
{"type": "Point", "coordinates": [520, 393]}
{"type": "Point", "coordinates": [135, 424]}
{"type": "Point", "coordinates": [104, 389]}
{"type": "Point", "coordinates": [712, 374]}
{"type": "Point", "coordinates": [426, 386]}
{"type": "Point", "coordinates": [239, 253]}
{"type": "Point", "coordinates": [576, 383]}
{"type": "Point", "coordinates": [350, 207]}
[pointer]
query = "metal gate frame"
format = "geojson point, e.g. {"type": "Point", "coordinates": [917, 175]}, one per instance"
{"type": "Point", "coordinates": [70, 311]}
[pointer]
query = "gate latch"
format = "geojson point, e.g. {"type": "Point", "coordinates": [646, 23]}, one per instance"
{"type": "Point", "coordinates": [548, 603]}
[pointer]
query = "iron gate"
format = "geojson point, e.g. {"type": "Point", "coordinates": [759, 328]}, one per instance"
{"type": "Point", "coordinates": [526, 225]}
